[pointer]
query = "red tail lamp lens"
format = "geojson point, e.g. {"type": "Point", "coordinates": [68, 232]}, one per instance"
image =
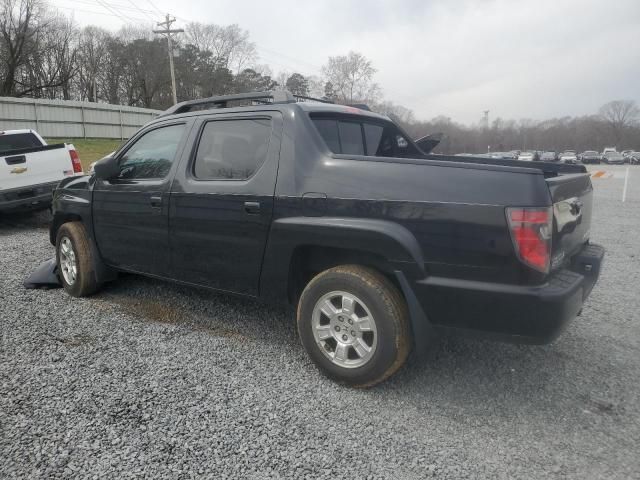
{"type": "Point", "coordinates": [531, 234]}
{"type": "Point", "coordinates": [75, 161]}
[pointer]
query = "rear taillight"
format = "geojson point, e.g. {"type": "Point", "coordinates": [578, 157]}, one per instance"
{"type": "Point", "coordinates": [75, 161]}
{"type": "Point", "coordinates": [531, 233]}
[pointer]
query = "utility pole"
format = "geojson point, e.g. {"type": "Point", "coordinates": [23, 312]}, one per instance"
{"type": "Point", "coordinates": [168, 31]}
{"type": "Point", "coordinates": [485, 119]}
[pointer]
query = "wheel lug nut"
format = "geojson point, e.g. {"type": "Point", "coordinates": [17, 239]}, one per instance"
{"type": "Point", "coordinates": [353, 334]}
{"type": "Point", "coordinates": [337, 328]}
{"type": "Point", "coordinates": [350, 321]}
{"type": "Point", "coordinates": [341, 319]}
{"type": "Point", "coordinates": [344, 337]}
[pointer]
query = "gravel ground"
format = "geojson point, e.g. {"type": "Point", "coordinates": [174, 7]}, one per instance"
{"type": "Point", "coordinates": [151, 379]}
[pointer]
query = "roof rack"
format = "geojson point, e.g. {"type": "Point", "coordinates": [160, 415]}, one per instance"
{"type": "Point", "coordinates": [239, 99]}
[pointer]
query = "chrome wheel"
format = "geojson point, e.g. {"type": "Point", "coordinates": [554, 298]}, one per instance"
{"type": "Point", "coordinates": [68, 264]}
{"type": "Point", "coordinates": [344, 329]}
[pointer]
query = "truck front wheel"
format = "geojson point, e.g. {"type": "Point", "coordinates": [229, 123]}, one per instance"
{"type": "Point", "coordinates": [75, 264]}
{"type": "Point", "coordinates": [353, 323]}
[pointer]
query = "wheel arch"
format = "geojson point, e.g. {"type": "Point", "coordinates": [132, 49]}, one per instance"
{"type": "Point", "coordinates": [60, 219]}
{"type": "Point", "coordinates": [298, 247]}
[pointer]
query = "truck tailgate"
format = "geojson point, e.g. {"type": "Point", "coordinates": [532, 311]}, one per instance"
{"type": "Point", "coordinates": [572, 197]}
{"type": "Point", "coordinates": [34, 166]}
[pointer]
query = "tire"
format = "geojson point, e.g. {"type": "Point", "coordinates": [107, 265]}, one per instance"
{"type": "Point", "coordinates": [83, 281]}
{"type": "Point", "coordinates": [370, 356]}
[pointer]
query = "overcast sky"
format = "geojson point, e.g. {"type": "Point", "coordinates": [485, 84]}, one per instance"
{"type": "Point", "coordinates": [518, 59]}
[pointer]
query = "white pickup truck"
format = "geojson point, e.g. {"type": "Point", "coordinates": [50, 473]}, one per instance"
{"type": "Point", "coordinates": [30, 169]}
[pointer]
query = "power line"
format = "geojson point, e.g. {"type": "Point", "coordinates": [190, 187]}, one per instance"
{"type": "Point", "coordinates": [116, 9]}
{"type": "Point", "coordinates": [115, 5]}
{"type": "Point", "coordinates": [142, 11]}
{"type": "Point", "coordinates": [135, 7]}
{"type": "Point", "coordinates": [154, 6]}
{"type": "Point", "coordinates": [91, 11]}
{"type": "Point", "coordinates": [108, 8]}
{"type": "Point", "coordinates": [296, 60]}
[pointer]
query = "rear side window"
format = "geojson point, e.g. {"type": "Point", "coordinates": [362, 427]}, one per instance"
{"type": "Point", "coordinates": [18, 141]}
{"type": "Point", "coordinates": [232, 149]}
{"type": "Point", "coordinates": [358, 136]}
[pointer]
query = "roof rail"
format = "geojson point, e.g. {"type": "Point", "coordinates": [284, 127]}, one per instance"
{"type": "Point", "coordinates": [304, 98]}
{"type": "Point", "coordinates": [251, 98]}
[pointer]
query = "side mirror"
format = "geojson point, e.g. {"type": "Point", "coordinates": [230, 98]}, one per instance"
{"type": "Point", "coordinates": [106, 168]}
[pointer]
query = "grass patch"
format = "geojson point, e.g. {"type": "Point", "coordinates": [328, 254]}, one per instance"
{"type": "Point", "coordinates": [89, 149]}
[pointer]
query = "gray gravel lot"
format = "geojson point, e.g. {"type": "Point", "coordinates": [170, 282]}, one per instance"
{"type": "Point", "coordinates": [151, 379]}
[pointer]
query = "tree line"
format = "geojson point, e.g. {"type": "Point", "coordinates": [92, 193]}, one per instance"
{"type": "Point", "coordinates": [45, 54]}
{"type": "Point", "coordinates": [614, 125]}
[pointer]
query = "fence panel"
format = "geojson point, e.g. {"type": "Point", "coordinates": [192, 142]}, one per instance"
{"type": "Point", "coordinates": [69, 119]}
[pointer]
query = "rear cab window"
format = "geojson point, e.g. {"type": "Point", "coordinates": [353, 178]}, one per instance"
{"type": "Point", "coordinates": [355, 135]}
{"type": "Point", "coordinates": [18, 141]}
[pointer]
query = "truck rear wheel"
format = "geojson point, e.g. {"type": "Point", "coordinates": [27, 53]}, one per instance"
{"type": "Point", "coordinates": [353, 323]}
{"type": "Point", "coordinates": [75, 262]}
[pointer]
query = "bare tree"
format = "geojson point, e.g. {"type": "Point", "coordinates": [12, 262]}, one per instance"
{"type": "Point", "coordinates": [619, 115]}
{"type": "Point", "coordinates": [93, 50]}
{"type": "Point", "coordinates": [351, 77]}
{"type": "Point", "coordinates": [399, 113]}
{"type": "Point", "coordinates": [230, 45]}
{"type": "Point", "coordinates": [21, 23]}
{"type": "Point", "coordinates": [51, 65]}
{"type": "Point", "coordinates": [316, 86]}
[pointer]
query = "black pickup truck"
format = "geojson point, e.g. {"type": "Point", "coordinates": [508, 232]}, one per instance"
{"type": "Point", "coordinates": [337, 211]}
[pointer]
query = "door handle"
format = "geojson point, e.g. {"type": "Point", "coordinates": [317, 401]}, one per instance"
{"type": "Point", "coordinates": [156, 201]}
{"type": "Point", "coordinates": [252, 208]}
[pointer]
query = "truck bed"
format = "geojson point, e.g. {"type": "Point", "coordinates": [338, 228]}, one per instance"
{"type": "Point", "coordinates": [547, 168]}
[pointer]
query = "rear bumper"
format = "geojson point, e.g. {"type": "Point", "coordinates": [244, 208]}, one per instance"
{"type": "Point", "coordinates": [25, 198]}
{"type": "Point", "coordinates": [515, 313]}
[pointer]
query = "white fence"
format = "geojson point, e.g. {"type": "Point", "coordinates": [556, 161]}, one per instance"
{"type": "Point", "coordinates": [68, 119]}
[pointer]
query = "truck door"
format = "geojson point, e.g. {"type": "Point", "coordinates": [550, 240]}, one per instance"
{"type": "Point", "coordinates": [131, 211]}
{"type": "Point", "coordinates": [222, 201]}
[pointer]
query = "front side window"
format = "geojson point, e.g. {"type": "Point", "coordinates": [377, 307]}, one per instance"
{"type": "Point", "coordinates": [152, 155]}
{"type": "Point", "coordinates": [232, 149]}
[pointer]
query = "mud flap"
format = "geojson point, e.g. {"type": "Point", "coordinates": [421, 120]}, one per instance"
{"type": "Point", "coordinates": [45, 276]}
{"type": "Point", "coordinates": [423, 332]}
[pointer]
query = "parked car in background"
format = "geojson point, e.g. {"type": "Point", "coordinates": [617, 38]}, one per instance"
{"type": "Point", "coordinates": [529, 156]}
{"type": "Point", "coordinates": [613, 158]}
{"type": "Point", "coordinates": [625, 153]}
{"type": "Point", "coordinates": [634, 158]}
{"type": "Point", "coordinates": [502, 155]}
{"type": "Point", "coordinates": [549, 157]}
{"type": "Point", "coordinates": [608, 150]}
{"type": "Point", "coordinates": [30, 169]}
{"type": "Point", "coordinates": [296, 202]}
{"type": "Point", "coordinates": [589, 156]}
{"type": "Point", "coordinates": [569, 157]}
